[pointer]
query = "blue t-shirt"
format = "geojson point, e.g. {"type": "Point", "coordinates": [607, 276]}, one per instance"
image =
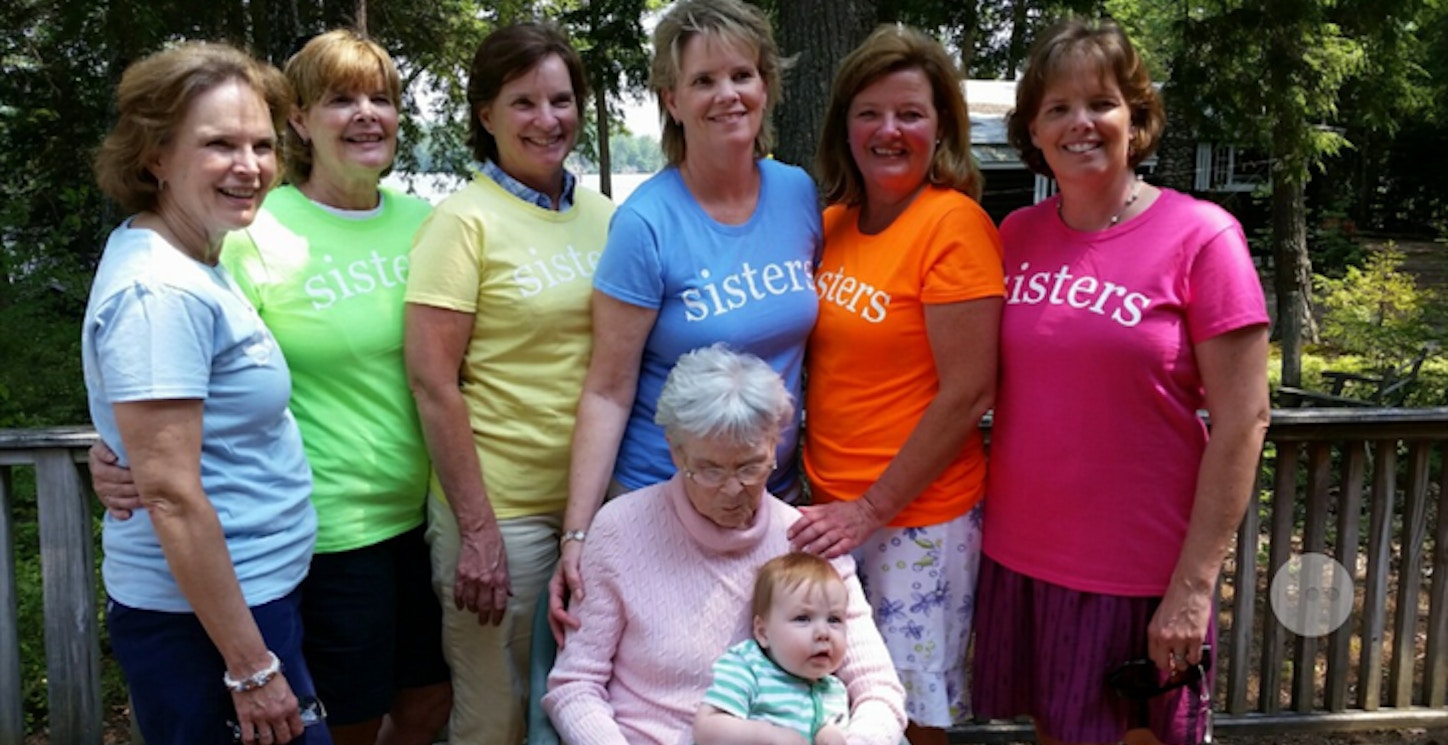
{"type": "Point", "coordinates": [750, 286]}
{"type": "Point", "coordinates": [161, 325]}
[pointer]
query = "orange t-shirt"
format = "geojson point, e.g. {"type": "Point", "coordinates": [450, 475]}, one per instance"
{"type": "Point", "coordinates": [871, 371]}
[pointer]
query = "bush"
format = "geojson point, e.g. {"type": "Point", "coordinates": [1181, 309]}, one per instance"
{"type": "Point", "coordinates": [1376, 311]}
{"type": "Point", "coordinates": [1430, 390]}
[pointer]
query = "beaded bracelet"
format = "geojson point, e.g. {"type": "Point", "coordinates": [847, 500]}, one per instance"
{"type": "Point", "coordinates": [255, 680]}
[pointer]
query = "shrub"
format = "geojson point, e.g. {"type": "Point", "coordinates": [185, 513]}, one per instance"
{"type": "Point", "coordinates": [1376, 311]}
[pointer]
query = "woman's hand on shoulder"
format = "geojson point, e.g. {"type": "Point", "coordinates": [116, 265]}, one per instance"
{"type": "Point", "coordinates": [565, 589]}
{"type": "Point", "coordinates": [268, 714]}
{"type": "Point", "coordinates": [834, 529]}
{"type": "Point", "coordinates": [112, 483]}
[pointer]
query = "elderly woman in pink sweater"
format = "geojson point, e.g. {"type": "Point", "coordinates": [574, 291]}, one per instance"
{"type": "Point", "coordinates": [669, 571]}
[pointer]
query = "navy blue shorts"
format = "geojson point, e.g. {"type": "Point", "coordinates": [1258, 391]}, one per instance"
{"type": "Point", "coordinates": [174, 671]}
{"type": "Point", "coordinates": [374, 626]}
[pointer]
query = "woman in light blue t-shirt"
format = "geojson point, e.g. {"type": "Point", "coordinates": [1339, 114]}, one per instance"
{"type": "Point", "coordinates": [190, 390]}
{"type": "Point", "coordinates": [718, 247]}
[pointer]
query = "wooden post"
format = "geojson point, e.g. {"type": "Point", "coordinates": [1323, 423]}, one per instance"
{"type": "Point", "coordinates": [1410, 574]}
{"type": "Point", "coordinates": [1375, 594]}
{"type": "Point", "coordinates": [12, 716]}
{"type": "Point", "coordinates": [1284, 499]}
{"type": "Point", "coordinates": [1349, 514]}
{"type": "Point", "coordinates": [1435, 676]}
{"type": "Point", "coordinates": [72, 635]}
{"type": "Point", "coordinates": [1314, 539]}
{"type": "Point", "coordinates": [1244, 602]}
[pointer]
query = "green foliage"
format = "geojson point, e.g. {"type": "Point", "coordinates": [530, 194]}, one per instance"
{"type": "Point", "coordinates": [1431, 389]}
{"type": "Point", "coordinates": [629, 154]}
{"type": "Point", "coordinates": [1334, 242]}
{"type": "Point", "coordinates": [1376, 311]}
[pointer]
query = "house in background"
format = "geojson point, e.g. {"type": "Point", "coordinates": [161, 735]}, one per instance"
{"type": "Point", "coordinates": [1009, 184]}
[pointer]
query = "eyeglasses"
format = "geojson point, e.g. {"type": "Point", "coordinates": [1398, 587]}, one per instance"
{"type": "Point", "coordinates": [1138, 680]}
{"type": "Point", "coordinates": [714, 477]}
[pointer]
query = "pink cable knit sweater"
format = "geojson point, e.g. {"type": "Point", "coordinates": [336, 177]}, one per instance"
{"type": "Point", "coordinates": [666, 591]}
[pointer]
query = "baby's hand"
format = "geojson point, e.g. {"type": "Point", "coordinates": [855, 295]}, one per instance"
{"type": "Point", "coordinates": [784, 735]}
{"type": "Point", "coordinates": [830, 735]}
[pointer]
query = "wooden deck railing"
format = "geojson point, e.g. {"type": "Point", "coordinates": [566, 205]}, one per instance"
{"type": "Point", "coordinates": [1364, 486]}
{"type": "Point", "coordinates": [67, 560]}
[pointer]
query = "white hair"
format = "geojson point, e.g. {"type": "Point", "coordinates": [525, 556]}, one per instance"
{"type": "Point", "coordinates": [714, 391]}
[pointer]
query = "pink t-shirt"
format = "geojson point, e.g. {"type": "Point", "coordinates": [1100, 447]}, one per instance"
{"type": "Point", "coordinates": [1097, 442]}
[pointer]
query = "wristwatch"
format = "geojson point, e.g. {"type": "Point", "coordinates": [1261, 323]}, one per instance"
{"type": "Point", "coordinates": [572, 535]}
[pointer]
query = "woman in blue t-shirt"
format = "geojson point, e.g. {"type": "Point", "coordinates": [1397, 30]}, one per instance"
{"type": "Point", "coordinates": [190, 390]}
{"type": "Point", "coordinates": [717, 247]}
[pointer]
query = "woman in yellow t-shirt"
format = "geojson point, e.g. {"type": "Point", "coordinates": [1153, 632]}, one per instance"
{"type": "Point", "coordinates": [498, 334]}
{"type": "Point", "coordinates": [902, 361]}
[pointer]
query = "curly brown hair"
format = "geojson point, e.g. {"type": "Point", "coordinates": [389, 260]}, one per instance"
{"type": "Point", "coordinates": [1066, 48]}
{"type": "Point", "coordinates": [154, 95]}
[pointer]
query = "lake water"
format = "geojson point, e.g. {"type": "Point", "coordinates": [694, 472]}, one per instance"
{"type": "Point", "coordinates": [434, 188]}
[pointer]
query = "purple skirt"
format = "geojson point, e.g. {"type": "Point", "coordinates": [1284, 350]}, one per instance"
{"type": "Point", "coordinates": [1043, 651]}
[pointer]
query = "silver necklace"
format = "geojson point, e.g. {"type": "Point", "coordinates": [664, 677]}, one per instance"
{"type": "Point", "coordinates": [1116, 218]}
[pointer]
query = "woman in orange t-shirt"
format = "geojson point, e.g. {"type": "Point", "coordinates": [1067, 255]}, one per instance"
{"type": "Point", "coordinates": [902, 362]}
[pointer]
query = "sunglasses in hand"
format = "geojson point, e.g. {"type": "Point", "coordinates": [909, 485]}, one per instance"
{"type": "Point", "coordinates": [1139, 680]}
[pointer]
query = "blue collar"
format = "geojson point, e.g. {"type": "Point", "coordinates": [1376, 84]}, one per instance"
{"type": "Point", "coordinates": [527, 193]}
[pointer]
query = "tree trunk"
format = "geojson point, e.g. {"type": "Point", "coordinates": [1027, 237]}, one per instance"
{"type": "Point", "coordinates": [818, 33]}
{"type": "Point", "coordinates": [605, 160]}
{"type": "Point", "coordinates": [1292, 276]}
{"type": "Point", "coordinates": [236, 31]}
{"type": "Point", "coordinates": [1016, 53]}
{"type": "Point", "coordinates": [1292, 270]}
{"type": "Point", "coordinates": [261, 43]}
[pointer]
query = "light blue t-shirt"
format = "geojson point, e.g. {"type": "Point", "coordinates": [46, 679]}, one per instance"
{"type": "Point", "coordinates": [161, 325]}
{"type": "Point", "coordinates": [750, 286]}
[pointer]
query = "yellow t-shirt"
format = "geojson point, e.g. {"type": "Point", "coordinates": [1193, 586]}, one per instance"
{"type": "Point", "coordinates": [871, 370]}
{"type": "Point", "coordinates": [526, 274]}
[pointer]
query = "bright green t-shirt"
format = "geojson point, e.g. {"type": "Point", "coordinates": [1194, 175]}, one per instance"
{"type": "Point", "coordinates": [525, 273]}
{"type": "Point", "coordinates": [331, 290]}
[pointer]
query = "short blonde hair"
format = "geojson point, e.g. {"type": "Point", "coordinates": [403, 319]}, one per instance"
{"type": "Point", "coordinates": [729, 21]}
{"type": "Point", "coordinates": [1064, 49]}
{"type": "Point", "coordinates": [153, 98]}
{"type": "Point", "coordinates": [789, 572]}
{"type": "Point", "coordinates": [340, 60]}
{"type": "Point", "coordinates": [892, 49]}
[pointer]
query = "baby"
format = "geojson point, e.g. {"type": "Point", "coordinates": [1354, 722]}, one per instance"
{"type": "Point", "coordinates": [779, 688]}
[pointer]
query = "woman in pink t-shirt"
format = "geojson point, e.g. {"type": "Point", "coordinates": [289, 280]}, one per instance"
{"type": "Point", "coordinates": [1129, 308]}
